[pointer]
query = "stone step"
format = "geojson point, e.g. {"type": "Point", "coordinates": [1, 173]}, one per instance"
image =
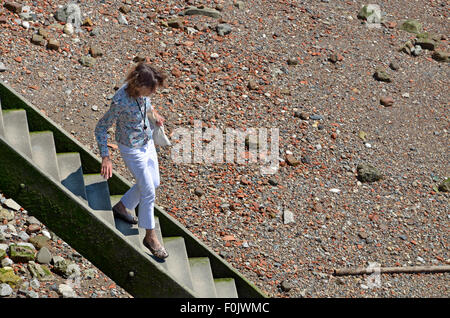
{"type": "Point", "coordinates": [178, 263]}
{"type": "Point", "coordinates": [71, 173]}
{"type": "Point", "coordinates": [131, 231]}
{"type": "Point", "coordinates": [225, 288]}
{"type": "Point", "coordinates": [2, 127]}
{"type": "Point", "coordinates": [202, 277]}
{"type": "Point", "coordinates": [97, 192]}
{"type": "Point", "coordinates": [16, 130]}
{"type": "Point", "coordinates": [107, 216]}
{"type": "Point", "coordinates": [44, 152]}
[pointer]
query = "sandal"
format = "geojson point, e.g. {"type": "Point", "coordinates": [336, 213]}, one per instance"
{"type": "Point", "coordinates": [126, 217]}
{"type": "Point", "coordinates": [160, 252]}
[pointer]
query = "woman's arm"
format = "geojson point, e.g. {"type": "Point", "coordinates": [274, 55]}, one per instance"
{"type": "Point", "coordinates": [101, 135]}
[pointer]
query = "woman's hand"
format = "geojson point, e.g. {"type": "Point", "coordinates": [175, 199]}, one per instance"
{"type": "Point", "coordinates": [159, 120]}
{"type": "Point", "coordinates": [106, 171]}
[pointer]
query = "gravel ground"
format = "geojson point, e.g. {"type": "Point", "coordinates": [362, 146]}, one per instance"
{"type": "Point", "coordinates": [81, 279]}
{"type": "Point", "coordinates": [283, 50]}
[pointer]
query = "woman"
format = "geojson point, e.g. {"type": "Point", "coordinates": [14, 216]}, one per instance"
{"type": "Point", "coordinates": [128, 110]}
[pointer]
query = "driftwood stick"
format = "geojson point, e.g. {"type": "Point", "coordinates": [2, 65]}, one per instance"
{"type": "Point", "coordinates": [406, 269]}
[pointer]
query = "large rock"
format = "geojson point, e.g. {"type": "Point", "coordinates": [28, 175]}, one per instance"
{"type": "Point", "coordinates": [41, 272]}
{"type": "Point", "coordinates": [39, 241]}
{"type": "Point", "coordinates": [368, 173]}
{"type": "Point", "coordinates": [21, 254]}
{"type": "Point", "coordinates": [288, 217]}
{"type": "Point", "coordinates": [370, 13]}
{"type": "Point", "coordinates": [223, 29]}
{"type": "Point", "coordinates": [11, 204]}
{"type": "Point", "coordinates": [13, 6]}
{"type": "Point", "coordinates": [6, 215]}
{"type": "Point", "coordinates": [426, 41]}
{"type": "Point", "coordinates": [66, 291]}
{"type": "Point", "coordinates": [7, 276]}
{"type": "Point", "coordinates": [5, 290]}
{"type": "Point", "coordinates": [61, 266]}
{"type": "Point", "coordinates": [411, 26]}
{"type": "Point", "coordinates": [87, 61]}
{"type": "Point", "coordinates": [3, 249]}
{"type": "Point", "coordinates": [70, 13]}
{"type": "Point", "coordinates": [441, 56]}
{"type": "Point", "coordinates": [202, 11]}
{"type": "Point", "coordinates": [382, 76]}
{"type": "Point", "coordinates": [44, 256]}
{"type": "Point", "coordinates": [445, 185]}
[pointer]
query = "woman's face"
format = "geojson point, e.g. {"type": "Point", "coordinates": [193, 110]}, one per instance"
{"type": "Point", "coordinates": [144, 91]}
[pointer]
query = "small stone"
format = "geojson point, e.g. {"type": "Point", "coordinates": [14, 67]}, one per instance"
{"type": "Point", "coordinates": [68, 29]}
{"type": "Point", "coordinates": [362, 235]}
{"type": "Point", "coordinates": [223, 29]}
{"type": "Point", "coordinates": [125, 8]}
{"type": "Point", "coordinates": [94, 108]}
{"type": "Point", "coordinates": [445, 185]}
{"type": "Point", "coordinates": [44, 33]}
{"type": "Point", "coordinates": [66, 291]}
{"type": "Point", "coordinates": [175, 23]}
{"type": "Point", "coordinates": [425, 42]}
{"type": "Point", "coordinates": [394, 66]}
{"type": "Point", "coordinates": [38, 40]}
{"type": "Point", "coordinates": [23, 236]}
{"type": "Point", "coordinates": [202, 11]}
{"type": "Point", "coordinates": [122, 20]}
{"type": "Point", "coordinates": [39, 241]}
{"type": "Point", "coordinates": [441, 56]}
{"type": "Point", "coordinates": [367, 173]}
{"type": "Point", "coordinates": [301, 115]}
{"type": "Point", "coordinates": [13, 7]}
{"type": "Point", "coordinates": [2, 67]}
{"type": "Point", "coordinates": [381, 75]}
{"type": "Point", "coordinates": [292, 61]}
{"type": "Point", "coordinates": [292, 161]}
{"type": "Point", "coordinates": [417, 50]}
{"type": "Point", "coordinates": [7, 262]}
{"type": "Point", "coordinates": [199, 192]}
{"type": "Point", "coordinates": [7, 276]}
{"type": "Point", "coordinates": [11, 204]}
{"type": "Point", "coordinates": [386, 101]}
{"type": "Point", "coordinates": [87, 61]}
{"type": "Point", "coordinates": [370, 13]}
{"type": "Point", "coordinates": [5, 290]}
{"type": "Point", "coordinates": [411, 26]}
{"type": "Point", "coordinates": [88, 22]}
{"type": "Point", "coordinates": [32, 220]}
{"type": "Point", "coordinates": [53, 44]}
{"type": "Point", "coordinates": [6, 215]}
{"type": "Point", "coordinates": [32, 294]}
{"type": "Point", "coordinates": [252, 85]}
{"type": "Point", "coordinates": [44, 256]}
{"type": "Point", "coordinates": [273, 181]}
{"type": "Point", "coordinates": [95, 51]}
{"type": "Point", "coordinates": [286, 286]}
{"type": "Point", "coordinates": [288, 217]}
{"type": "Point", "coordinates": [33, 228]}
{"type": "Point", "coordinates": [21, 254]}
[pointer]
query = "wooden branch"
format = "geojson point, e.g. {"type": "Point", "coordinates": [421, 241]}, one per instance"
{"type": "Point", "coordinates": [406, 269]}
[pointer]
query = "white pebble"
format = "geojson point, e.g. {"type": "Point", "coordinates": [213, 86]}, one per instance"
{"type": "Point", "coordinates": [368, 145]}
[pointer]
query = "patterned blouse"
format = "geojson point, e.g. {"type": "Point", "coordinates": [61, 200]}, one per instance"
{"type": "Point", "coordinates": [128, 115]}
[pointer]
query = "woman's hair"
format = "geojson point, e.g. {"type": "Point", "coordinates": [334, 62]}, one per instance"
{"type": "Point", "coordinates": [144, 75]}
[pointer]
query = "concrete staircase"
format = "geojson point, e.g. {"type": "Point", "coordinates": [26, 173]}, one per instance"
{"type": "Point", "coordinates": [66, 168]}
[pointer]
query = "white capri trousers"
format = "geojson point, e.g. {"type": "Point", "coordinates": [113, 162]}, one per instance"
{"type": "Point", "coordinates": [143, 164]}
